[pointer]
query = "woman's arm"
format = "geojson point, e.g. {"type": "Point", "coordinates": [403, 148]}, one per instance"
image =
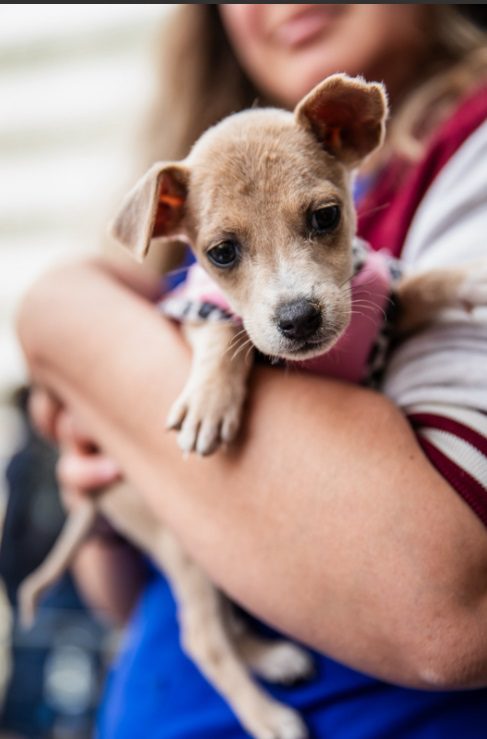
{"type": "Point", "coordinates": [327, 520]}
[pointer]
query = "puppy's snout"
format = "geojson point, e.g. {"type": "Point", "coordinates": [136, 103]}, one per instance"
{"type": "Point", "coordinates": [299, 319]}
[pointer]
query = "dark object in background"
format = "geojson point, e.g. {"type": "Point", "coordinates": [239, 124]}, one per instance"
{"type": "Point", "coordinates": [58, 665]}
{"type": "Point", "coordinates": [34, 514]}
{"type": "Point", "coordinates": [476, 13]}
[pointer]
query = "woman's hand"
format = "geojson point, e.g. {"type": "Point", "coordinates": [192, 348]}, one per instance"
{"type": "Point", "coordinates": [82, 468]}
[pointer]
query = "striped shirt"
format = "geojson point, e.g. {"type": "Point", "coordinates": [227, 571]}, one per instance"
{"type": "Point", "coordinates": [437, 216]}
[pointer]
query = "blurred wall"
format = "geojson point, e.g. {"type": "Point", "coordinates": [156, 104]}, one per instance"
{"type": "Point", "coordinates": [75, 81]}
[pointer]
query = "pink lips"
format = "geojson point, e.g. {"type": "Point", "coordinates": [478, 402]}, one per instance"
{"type": "Point", "coordinates": [306, 24]}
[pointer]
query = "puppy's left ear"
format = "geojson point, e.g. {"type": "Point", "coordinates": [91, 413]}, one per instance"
{"type": "Point", "coordinates": [153, 209]}
{"type": "Point", "coordinates": [347, 115]}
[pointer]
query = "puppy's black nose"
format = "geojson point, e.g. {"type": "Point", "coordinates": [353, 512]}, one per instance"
{"type": "Point", "coordinates": [299, 319]}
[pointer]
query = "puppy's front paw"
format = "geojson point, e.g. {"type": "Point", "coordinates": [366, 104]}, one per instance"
{"type": "Point", "coordinates": [283, 662]}
{"type": "Point", "coordinates": [206, 417]}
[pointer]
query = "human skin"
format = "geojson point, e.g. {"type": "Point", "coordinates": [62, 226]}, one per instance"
{"type": "Point", "coordinates": [342, 535]}
{"type": "Point", "coordinates": [288, 48]}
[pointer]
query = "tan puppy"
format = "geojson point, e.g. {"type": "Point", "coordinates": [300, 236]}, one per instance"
{"type": "Point", "coordinates": [264, 200]}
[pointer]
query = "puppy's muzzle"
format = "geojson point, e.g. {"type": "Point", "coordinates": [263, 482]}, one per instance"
{"type": "Point", "coordinates": [298, 320]}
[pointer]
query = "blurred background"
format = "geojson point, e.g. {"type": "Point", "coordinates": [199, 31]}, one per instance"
{"type": "Point", "coordinates": [75, 82]}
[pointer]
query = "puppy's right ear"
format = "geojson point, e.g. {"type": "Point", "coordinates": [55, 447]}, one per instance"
{"type": "Point", "coordinates": [153, 209]}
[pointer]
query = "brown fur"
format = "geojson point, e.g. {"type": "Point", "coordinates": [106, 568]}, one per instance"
{"type": "Point", "coordinates": [254, 177]}
{"type": "Point", "coordinates": [423, 296]}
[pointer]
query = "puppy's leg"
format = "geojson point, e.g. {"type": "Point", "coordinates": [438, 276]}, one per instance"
{"type": "Point", "coordinates": [424, 295]}
{"type": "Point", "coordinates": [206, 640]}
{"type": "Point", "coordinates": [208, 411]}
{"type": "Point", "coordinates": [275, 660]}
{"type": "Point", "coordinates": [75, 530]}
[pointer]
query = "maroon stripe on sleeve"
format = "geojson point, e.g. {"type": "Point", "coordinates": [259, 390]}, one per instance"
{"type": "Point", "coordinates": [431, 420]}
{"type": "Point", "coordinates": [466, 486]}
{"type": "Point", "coordinates": [387, 210]}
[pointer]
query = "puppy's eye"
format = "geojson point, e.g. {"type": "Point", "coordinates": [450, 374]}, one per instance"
{"type": "Point", "coordinates": [224, 255]}
{"type": "Point", "coordinates": [324, 220]}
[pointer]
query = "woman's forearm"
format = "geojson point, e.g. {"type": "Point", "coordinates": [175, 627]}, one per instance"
{"type": "Point", "coordinates": [326, 520]}
{"type": "Point", "coordinates": [137, 277]}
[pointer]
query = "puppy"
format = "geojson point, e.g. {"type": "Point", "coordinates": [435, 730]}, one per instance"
{"type": "Point", "coordinates": [264, 199]}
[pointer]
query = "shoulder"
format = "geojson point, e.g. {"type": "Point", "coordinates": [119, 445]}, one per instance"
{"type": "Point", "coordinates": [439, 376]}
{"type": "Point", "coordinates": [388, 212]}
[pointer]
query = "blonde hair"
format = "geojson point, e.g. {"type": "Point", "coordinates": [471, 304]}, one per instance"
{"type": "Point", "coordinates": [201, 81]}
{"type": "Point", "coordinates": [457, 64]}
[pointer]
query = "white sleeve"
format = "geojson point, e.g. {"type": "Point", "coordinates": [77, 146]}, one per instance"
{"type": "Point", "coordinates": [439, 376]}
{"type": "Point", "coordinates": [447, 362]}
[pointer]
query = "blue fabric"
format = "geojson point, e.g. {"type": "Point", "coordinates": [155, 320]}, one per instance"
{"type": "Point", "coordinates": [361, 186]}
{"type": "Point", "coordinates": [156, 692]}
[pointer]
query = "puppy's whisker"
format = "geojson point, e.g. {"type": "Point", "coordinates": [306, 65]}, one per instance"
{"type": "Point", "coordinates": [388, 298]}
{"type": "Point", "coordinates": [236, 340]}
{"type": "Point", "coordinates": [346, 281]}
{"type": "Point", "coordinates": [366, 316]}
{"type": "Point", "coordinates": [377, 209]}
{"type": "Point", "coordinates": [364, 304]}
{"type": "Point", "coordinates": [177, 271]}
{"type": "Point", "coordinates": [249, 351]}
{"type": "Point", "coordinates": [239, 350]}
{"type": "Point", "coordinates": [236, 352]}
{"type": "Point", "coordinates": [243, 344]}
{"type": "Point", "coordinates": [241, 332]}
{"type": "Point", "coordinates": [248, 343]}
{"type": "Point", "coordinates": [364, 309]}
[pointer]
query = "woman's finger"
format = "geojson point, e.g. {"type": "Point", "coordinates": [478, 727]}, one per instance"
{"type": "Point", "coordinates": [70, 433]}
{"type": "Point", "coordinates": [85, 472]}
{"type": "Point", "coordinates": [44, 410]}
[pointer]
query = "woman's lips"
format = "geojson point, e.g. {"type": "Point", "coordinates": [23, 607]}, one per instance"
{"type": "Point", "coordinates": [304, 25]}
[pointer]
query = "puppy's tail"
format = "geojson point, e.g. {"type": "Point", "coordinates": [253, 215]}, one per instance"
{"type": "Point", "coordinates": [76, 528]}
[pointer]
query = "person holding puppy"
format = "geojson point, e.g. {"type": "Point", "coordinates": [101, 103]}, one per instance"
{"type": "Point", "coordinates": [379, 563]}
